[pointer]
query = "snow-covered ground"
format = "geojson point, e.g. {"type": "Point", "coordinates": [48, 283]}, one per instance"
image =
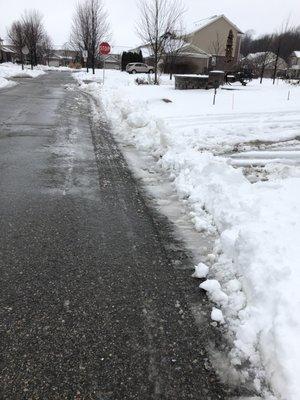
{"type": "Point", "coordinates": [253, 273]}
{"type": "Point", "coordinates": [10, 70]}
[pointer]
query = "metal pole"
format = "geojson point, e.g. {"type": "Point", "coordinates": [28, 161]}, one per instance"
{"type": "Point", "coordinates": [103, 70]}
{"type": "Point", "coordinates": [214, 101]}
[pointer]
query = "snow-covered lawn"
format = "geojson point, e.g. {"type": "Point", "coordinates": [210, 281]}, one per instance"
{"type": "Point", "coordinates": [254, 272]}
{"type": "Point", "coordinates": [10, 70]}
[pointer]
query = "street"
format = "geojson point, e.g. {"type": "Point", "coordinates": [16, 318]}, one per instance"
{"type": "Point", "coordinates": [95, 292]}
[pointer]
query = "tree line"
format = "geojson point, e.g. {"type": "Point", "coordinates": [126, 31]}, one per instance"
{"type": "Point", "coordinates": [288, 40]}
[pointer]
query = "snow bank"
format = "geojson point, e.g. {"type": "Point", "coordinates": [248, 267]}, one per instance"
{"type": "Point", "coordinates": [255, 273]}
{"type": "Point", "coordinates": [10, 70]}
{"type": "Point", "coordinates": [51, 68]}
{"type": "Point", "coordinates": [5, 83]}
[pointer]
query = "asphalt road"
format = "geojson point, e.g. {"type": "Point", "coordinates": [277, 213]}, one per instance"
{"type": "Point", "coordinates": [94, 290]}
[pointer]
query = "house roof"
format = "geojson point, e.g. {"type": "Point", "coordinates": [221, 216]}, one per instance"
{"type": "Point", "coordinates": [297, 53]}
{"type": "Point", "coordinates": [6, 49]}
{"type": "Point", "coordinates": [267, 58]}
{"type": "Point", "coordinates": [203, 23]}
{"type": "Point", "coordinates": [176, 45]}
{"type": "Point", "coordinates": [196, 51]}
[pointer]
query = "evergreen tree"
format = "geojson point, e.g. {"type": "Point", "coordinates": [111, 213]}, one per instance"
{"type": "Point", "coordinates": [141, 58]}
{"type": "Point", "coordinates": [124, 60]}
{"type": "Point", "coordinates": [136, 57]}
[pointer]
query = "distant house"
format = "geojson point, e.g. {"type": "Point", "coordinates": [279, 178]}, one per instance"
{"type": "Point", "coordinates": [113, 60]}
{"type": "Point", "coordinates": [7, 52]}
{"type": "Point", "coordinates": [60, 56]}
{"type": "Point", "coordinates": [266, 61]}
{"type": "Point", "coordinates": [295, 58]}
{"type": "Point", "coordinates": [212, 43]}
{"type": "Point", "coordinates": [294, 70]}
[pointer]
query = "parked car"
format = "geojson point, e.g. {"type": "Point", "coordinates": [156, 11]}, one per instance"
{"type": "Point", "coordinates": [139, 68]}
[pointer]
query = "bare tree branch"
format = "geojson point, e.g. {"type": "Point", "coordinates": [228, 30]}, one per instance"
{"type": "Point", "coordinates": [16, 36]}
{"type": "Point", "coordinates": [158, 19]}
{"type": "Point", "coordinates": [34, 33]}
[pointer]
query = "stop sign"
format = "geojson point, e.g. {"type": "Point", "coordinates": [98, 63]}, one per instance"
{"type": "Point", "coordinates": [104, 48]}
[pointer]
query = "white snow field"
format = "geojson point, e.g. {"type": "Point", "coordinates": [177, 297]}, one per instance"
{"type": "Point", "coordinates": [10, 70]}
{"type": "Point", "coordinates": [253, 275]}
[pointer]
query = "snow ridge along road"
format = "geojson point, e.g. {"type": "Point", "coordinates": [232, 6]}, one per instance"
{"type": "Point", "coordinates": [94, 290]}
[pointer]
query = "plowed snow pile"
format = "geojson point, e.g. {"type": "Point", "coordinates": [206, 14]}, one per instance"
{"type": "Point", "coordinates": [10, 70]}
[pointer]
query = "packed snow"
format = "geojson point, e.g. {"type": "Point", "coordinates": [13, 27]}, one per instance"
{"type": "Point", "coordinates": [201, 271]}
{"type": "Point", "coordinates": [10, 70]}
{"type": "Point", "coordinates": [253, 274]}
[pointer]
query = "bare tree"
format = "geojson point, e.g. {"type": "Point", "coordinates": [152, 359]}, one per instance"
{"type": "Point", "coordinates": [34, 33]}
{"type": "Point", "coordinates": [90, 26]}
{"type": "Point", "coordinates": [217, 46]}
{"type": "Point", "coordinates": [46, 48]}
{"type": "Point", "coordinates": [16, 37]}
{"type": "Point", "coordinates": [262, 62]}
{"type": "Point", "coordinates": [158, 18]}
{"type": "Point", "coordinates": [174, 46]}
{"type": "Point", "coordinates": [279, 44]}
{"type": "Point", "coordinates": [217, 49]}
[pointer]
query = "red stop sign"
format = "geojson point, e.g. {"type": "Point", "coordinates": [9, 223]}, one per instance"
{"type": "Point", "coordinates": [104, 48]}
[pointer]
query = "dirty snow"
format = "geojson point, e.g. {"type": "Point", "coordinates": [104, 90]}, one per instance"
{"type": "Point", "coordinates": [254, 275]}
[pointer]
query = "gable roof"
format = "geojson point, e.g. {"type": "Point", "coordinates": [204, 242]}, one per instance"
{"type": "Point", "coordinates": [181, 45]}
{"type": "Point", "coordinates": [203, 23]}
{"type": "Point", "coordinates": [184, 47]}
{"type": "Point", "coordinates": [296, 53]}
{"type": "Point", "coordinates": [7, 49]}
{"type": "Point", "coordinates": [263, 57]}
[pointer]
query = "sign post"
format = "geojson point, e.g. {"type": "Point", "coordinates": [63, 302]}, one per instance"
{"type": "Point", "coordinates": [85, 57]}
{"type": "Point", "coordinates": [104, 49]}
{"type": "Point", "coordinates": [25, 52]}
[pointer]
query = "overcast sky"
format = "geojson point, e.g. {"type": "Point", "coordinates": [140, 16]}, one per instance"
{"type": "Point", "coordinates": [260, 15]}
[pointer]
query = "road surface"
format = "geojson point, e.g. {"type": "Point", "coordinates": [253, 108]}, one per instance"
{"type": "Point", "coordinates": [94, 290]}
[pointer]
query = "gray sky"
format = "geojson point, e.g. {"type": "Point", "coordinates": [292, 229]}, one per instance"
{"type": "Point", "coordinates": [261, 15]}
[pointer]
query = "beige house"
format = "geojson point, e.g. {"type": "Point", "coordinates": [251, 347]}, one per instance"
{"type": "Point", "coordinates": [217, 36]}
{"type": "Point", "coordinates": [212, 43]}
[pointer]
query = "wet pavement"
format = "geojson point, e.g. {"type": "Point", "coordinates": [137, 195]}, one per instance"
{"type": "Point", "coordinates": [95, 292]}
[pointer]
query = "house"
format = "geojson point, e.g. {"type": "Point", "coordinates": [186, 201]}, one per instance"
{"type": "Point", "coordinates": [188, 58]}
{"type": "Point", "coordinates": [60, 56]}
{"type": "Point", "coordinates": [220, 38]}
{"type": "Point", "coordinates": [212, 43]}
{"type": "Point", "coordinates": [113, 60]}
{"type": "Point", "coordinates": [265, 61]}
{"type": "Point", "coordinates": [7, 52]}
{"type": "Point", "coordinates": [295, 58]}
{"type": "Point", "coordinates": [294, 70]}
